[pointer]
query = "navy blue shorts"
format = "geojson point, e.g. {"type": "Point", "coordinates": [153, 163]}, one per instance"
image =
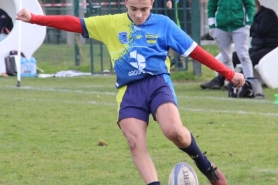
{"type": "Point", "coordinates": [141, 98]}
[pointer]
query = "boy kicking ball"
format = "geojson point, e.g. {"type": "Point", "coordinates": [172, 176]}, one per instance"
{"type": "Point", "coordinates": [138, 42]}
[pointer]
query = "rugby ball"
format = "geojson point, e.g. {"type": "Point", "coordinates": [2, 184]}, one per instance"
{"type": "Point", "coordinates": [183, 174]}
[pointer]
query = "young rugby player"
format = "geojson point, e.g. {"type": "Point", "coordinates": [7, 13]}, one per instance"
{"type": "Point", "coordinates": [138, 42]}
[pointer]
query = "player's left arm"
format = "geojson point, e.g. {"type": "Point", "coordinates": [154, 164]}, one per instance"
{"type": "Point", "coordinates": [207, 59]}
{"type": "Point", "coordinates": [179, 41]}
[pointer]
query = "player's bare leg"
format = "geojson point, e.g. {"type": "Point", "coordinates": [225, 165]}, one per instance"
{"type": "Point", "coordinates": [170, 123]}
{"type": "Point", "coordinates": [135, 132]}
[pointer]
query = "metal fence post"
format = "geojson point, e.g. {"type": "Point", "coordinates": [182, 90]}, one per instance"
{"type": "Point", "coordinates": [197, 68]}
{"type": "Point", "coordinates": [76, 38]}
{"type": "Point", "coordinates": [91, 41]}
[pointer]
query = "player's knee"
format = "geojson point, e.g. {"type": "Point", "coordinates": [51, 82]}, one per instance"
{"type": "Point", "coordinates": [131, 141]}
{"type": "Point", "coordinates": [174, 134]}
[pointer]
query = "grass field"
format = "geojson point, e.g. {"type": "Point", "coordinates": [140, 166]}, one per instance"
{"type": "Point", "coordinates": [51, 129]}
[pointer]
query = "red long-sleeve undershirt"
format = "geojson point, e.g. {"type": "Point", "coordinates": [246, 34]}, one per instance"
{"type": "Point", "coordinates": [60, 22]}
{"type": "Point", "coordinates": [73, 24]}
{"type": "Point", "coordinates": [207, 59]}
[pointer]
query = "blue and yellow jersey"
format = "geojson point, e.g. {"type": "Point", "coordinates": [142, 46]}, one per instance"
{"type": "Point", "coordinates": [138, 51]}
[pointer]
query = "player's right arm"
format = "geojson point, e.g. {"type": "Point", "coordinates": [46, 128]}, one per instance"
{"type": "Point", "coordinates": [61, 22]}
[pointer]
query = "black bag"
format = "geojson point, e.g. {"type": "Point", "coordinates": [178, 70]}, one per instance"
{"type": "Point", "coordinates": [14, 52]}
{"type": "Point", "coordinates": [10, 66]}
{"type": "Point", "coordinates": [251, 89]}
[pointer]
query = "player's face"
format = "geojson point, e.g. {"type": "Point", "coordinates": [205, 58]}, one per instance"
{"type": "Point", "coordinates": [139, 10]}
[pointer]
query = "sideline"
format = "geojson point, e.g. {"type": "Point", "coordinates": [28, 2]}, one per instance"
{"type": "Point", "coordinates": [51, 89]}
{"type": "Point", "coordinates": [181, 108]}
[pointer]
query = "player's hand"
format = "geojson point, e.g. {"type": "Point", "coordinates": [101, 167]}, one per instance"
{"type": "Point", "coordinates": [238, 80]}
{"type": "Point", "coordinates": [23, 15]}
{"type": "Point", "coordinates": [169, 4]}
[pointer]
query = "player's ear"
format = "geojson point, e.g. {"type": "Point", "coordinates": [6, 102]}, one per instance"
{"type": "Point", "coordinates": [152, 2]}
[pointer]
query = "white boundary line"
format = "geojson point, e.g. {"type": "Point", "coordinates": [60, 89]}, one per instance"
{"type": "Point", "coordinates": [63, 90]}
{"type": "Point", "coordinates": [181, 108]}
{"type": "Point", "coordinates": [51, 89]}
{"type": "Point", "coordinates": [228, 99]}
{"type": "Point", "coordinates": [230, 112]}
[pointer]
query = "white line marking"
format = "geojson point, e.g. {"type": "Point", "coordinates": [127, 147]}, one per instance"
{"type": "Point", "coordinates": [51, 89]}
{"type": "Point", "coordinates": [269, 171]}
{"type": "Point", "coordinates": [180, 107]}
{"type": "Point", "coordinates": [66, 101]}
{"type": "Point", "coordinates": [61, 90]}
{"type": "Point", "coordinates": [230, 112]}
{"type": "Point", "coordinates": [228, 99]}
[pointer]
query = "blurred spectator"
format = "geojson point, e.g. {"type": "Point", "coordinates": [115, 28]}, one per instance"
{"type": "Point", "coordinates": [162, 6]}
{"type": "Point", "coordinates": [5, 21]}
{"type": "Point", "coordinates": [229, 21]}
{"type": "Point", "coordinates": [264, 33]}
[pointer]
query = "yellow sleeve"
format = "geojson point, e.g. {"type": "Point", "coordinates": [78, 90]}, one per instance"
{"type": "Point", "coordinates": [98, 27]}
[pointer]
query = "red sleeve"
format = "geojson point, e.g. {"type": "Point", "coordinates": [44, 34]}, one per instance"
{"type": "Point", "coordinates": [207, 59]}
{"type": "Point", "coordinates": [60, 22]}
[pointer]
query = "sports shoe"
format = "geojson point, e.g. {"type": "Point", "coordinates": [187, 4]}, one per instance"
{"type": "Point", "coordinates": [215, 176]}
{"type": "Point", "coordinates": [213, 84]}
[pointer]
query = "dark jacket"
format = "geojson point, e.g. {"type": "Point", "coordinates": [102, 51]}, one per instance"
{"type": "Point", "coordinates": [264, 30]}
{"type": "Point", "coordinates": [230, 15]}
{"type": "Point", "coordinates": [5, 21]}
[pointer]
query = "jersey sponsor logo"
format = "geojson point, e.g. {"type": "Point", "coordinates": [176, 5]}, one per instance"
{"type": "Point", "coordinates": [151, 38]}
{"type": "Point", "coordinates": [139, 62]}
{"type": "Point", "coordinates": [123, 37]}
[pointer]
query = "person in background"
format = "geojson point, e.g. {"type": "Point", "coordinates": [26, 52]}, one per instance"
{"type": "Point", "coordinates": [161, 6]}
{"type": "Point", "coordinates": [165, 8]}
{"type": "Point", "coordinates": [138, 42]}
{"type": "Point", "coordinates": [229, 22]}
{"type": "Point", "coordinates": [264, 33]}
{"type": "Point", "coordinates": [6, 23]}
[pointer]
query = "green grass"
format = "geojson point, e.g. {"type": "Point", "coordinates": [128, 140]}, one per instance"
{"type": "Point", "coordinates": [50, 130]}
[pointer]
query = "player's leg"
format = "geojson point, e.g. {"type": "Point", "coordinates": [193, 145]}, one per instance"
{"type": "Point", "coordinates": [133, 121]}
{"type": "Point", "coordinates": [164, 110]}
{"type": "Point", "coordinates": [134, 131]}
{"type": "Point", "coordinates": [174, 131]}
{"type": "Point", "coordinates": [169, 120]}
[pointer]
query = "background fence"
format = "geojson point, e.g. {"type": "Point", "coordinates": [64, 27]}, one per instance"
{"type": "Point", "coordinates": [190, 15]}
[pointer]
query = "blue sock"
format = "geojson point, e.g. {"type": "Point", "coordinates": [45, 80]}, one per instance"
{"type": "Point", "coordinates": [154, 183]}
{"type": "Point", "coordinates": [195, 153]}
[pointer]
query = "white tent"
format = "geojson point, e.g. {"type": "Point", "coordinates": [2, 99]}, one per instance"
{"type": "Point", "coordinates": [32, 36]}
{"type": "Point", "coordinates": [271, 4]}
